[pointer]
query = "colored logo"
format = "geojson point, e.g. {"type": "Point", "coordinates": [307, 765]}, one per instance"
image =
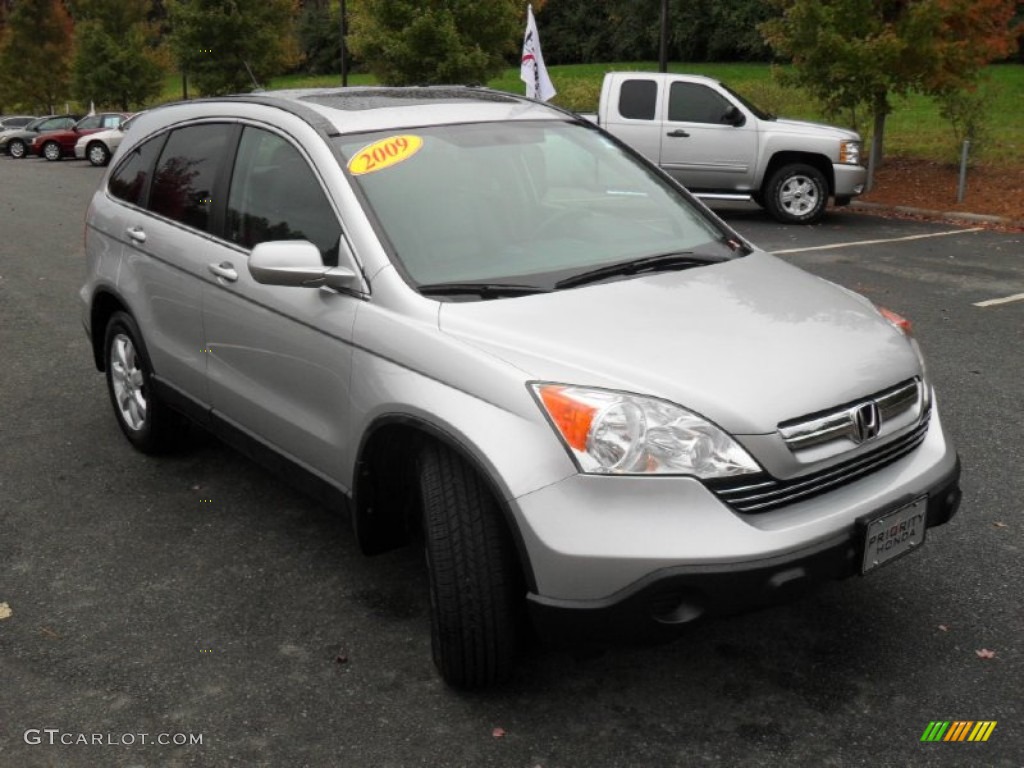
{"type": "Point", "coordinates": [958, 730]}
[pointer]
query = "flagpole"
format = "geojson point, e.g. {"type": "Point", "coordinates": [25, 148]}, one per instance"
{"type": "Point", "coordinates": [663, 48]}
{"type": "Point", "coordinates": [344, 55]}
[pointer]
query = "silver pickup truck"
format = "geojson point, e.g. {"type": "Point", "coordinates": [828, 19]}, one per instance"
{"type": "Point", "coordinates": [722, 147]}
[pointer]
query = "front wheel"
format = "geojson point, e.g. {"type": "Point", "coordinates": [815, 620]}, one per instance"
{"type": "Point", "coordinates": [147, 423]}
{"type": "Point", "coordinates": [98, 154]}
{"type": "Point", "coordinates": [51, 151]}
{"type": "Point", "coordinates": [796, 194]}
{"type": "Point", "coordinates": [476, 592]}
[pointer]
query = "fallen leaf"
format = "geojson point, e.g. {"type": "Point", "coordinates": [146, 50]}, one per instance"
{"type": "Point", "coordinates": [5, 611]}
{"type": "Point", "coordinates": [341, 658]}
{"type": "Point", "coordinates": [943, 627]}
{"type": "Point", "coordinates": [49, 633]}
{"type": "Point", "coordinates": [999, 525]}
{"type": "Point", "coordinates": [985, 653]}
{"type": "Point", "coordinates": [498, 733]}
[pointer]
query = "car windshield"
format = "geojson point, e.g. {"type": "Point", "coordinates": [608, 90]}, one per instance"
{"type": "Point", "coordinates": [758, 112]}
{"type": "Point", "coordinates": [35, 123]}
{"type": "Point", "coordinates": [526, 202]}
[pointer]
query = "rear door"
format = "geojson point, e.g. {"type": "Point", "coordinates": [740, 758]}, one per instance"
{"type": "Point", "coordinates": [633, 114]}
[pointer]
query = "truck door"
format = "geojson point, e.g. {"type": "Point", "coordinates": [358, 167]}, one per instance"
{"type": "Point", "coordinates": [633, 116]}
{"type": "Point", "coordinates": [708, 142]}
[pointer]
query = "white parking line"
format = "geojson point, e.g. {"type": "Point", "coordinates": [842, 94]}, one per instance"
{"type": "Point", "coordinates": [877, 242]}
{"type": "Point", "coordinates": [1004, 300]}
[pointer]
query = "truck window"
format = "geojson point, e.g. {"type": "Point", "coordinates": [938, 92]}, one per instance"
{"type": "Point", "coordinates": [637, 99]}
{"type": "Point", "coordinates": [695, 103]}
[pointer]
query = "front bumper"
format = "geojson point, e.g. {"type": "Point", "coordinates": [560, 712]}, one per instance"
{"type": "Point", "coordinates": [660, 604]}
{"type": "Point", "coordinates": [849, 180]}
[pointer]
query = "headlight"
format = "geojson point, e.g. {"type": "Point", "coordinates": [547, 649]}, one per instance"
{"type": "Point", "coordinates": [618, 433]}
{"type": "Point", "coordinates": [849, 152]}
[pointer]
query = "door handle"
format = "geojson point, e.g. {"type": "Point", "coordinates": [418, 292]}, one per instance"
{"type": "Point", "coordinates": [225, 270]}
{"type": "Point", "coordinates": [678, 133]}
{"type": "Point", "coordinates": [138, 234]}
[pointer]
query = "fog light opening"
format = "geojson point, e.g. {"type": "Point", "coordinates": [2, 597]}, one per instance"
{"type": "Point", "coordinates": [682, 612]}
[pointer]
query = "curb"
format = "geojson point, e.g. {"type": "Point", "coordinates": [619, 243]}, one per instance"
{"type": "Point", "coordinates": [930, 214]}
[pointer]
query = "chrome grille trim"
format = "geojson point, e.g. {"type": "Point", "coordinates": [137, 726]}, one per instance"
{"type": "Point", "coordinates": [766, 493]}
{"type": "Point", "coordinates": [841, 422]}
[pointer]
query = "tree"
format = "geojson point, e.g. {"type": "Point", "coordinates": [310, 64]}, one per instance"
{"type": "Point", "coordinates": [115, 61]}
{"type": "Point", "coordinates": [438, 41]}
{"type": "Point", "coordinates": [319, 32]}
{"type": "Point", "coordinates": [849, 53]}
{"type": "Point", "coordinates": [35, 55]}
{"type": "Point", "coordinates": [219, 42]}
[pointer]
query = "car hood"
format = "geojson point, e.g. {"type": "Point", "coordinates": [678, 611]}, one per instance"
{"type": "Point", "coordinates": [747, 343]}
{"type": "Point", "coordinates": [803, 127]}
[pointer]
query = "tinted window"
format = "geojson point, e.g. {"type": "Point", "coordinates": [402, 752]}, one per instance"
{"type": "Point", "coordinates": [185, 176]}
{"type": "Point", "coordinates": [637, 98]}
{"type": "Point", "coordinates": [694, 103]}
{"type": "Point", "coordinates": [275, 196]}
{"type": "Point", "coordinates": [128, 181]}
{"type": "Point", "coordinates": [88, 123]}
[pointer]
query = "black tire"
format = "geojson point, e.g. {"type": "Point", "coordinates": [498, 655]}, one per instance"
{"type": "Point", "coordinates": [51, 151]}
{"type": "Point", "coordinates": [476, 592]}
{"type": "Point", "coordinates": [97, 154]}
{"type": "Point", "coordinates": [16, 149]}
{"type": "Point", "coordinates": [796, 194]}
{"type": "Point", "coordinates": [148, 424]}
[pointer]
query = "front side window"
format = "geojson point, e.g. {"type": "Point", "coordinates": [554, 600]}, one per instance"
{"type": "Point", "coordinates": [696, 103]}
{"type": "Point", "coordinates": [525, 202]}
{"type": "Point", "coordinates": [187, 171]}
{"type": "Point", "coordinates": [276, 196]}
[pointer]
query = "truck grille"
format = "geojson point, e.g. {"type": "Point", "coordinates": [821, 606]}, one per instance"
{"type": "Point", "coordinates": [763, 493]}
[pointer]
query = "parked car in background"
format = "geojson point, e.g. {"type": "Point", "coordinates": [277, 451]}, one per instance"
{"type": "Point", "coordinates": [478, 323]}
{"type": "Point", "coordinates": [15, 121]}
{"type": "Point", "coordinates": [99, 147]}
{"type": "Point", "coordinates": [722, 147]}
{"type": "Point", "coordinates": [16, 142]}
{"type": "Point", "coordinates": [54, 145]}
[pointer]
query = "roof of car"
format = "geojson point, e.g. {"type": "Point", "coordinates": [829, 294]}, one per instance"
{"type": "Point", "coordinates": [359, 109]}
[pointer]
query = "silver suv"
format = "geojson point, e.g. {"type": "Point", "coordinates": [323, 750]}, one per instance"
{"type": "Point", "coordinates": [481, 324]}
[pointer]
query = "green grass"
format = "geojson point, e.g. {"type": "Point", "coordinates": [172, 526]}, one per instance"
{"type": "Point", "coordinates": [914, 128]}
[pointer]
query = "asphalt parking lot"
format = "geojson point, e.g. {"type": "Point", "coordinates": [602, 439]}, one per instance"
{"type": "Point", "coordinates": [199, 598]}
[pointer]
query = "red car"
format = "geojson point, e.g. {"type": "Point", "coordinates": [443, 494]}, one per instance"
{"type": "Point", "coordinates": [57, 144]}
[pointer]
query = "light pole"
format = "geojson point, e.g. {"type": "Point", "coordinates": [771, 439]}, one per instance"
{"type": "Point", "coordinates": [663, 48]}
{"type": "Point", "coordinates": [344, 57]}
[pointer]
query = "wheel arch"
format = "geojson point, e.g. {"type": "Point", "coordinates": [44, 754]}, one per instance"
{"type": "Point", "coordinates": [385, 472]}
{"type": "Point", "coordinates": [820, 162]}
{"type": "Point", "coordinates": [104, 304]}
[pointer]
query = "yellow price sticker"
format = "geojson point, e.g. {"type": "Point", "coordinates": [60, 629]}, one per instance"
{"type": "Point", "coordinates": [384, 153]}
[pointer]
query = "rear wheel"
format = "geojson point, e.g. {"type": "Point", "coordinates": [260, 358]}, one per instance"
{"type": "Point", "coordinates": [51, 151]}
{"type": "Point", "coordinates": [148, 424]}
{"type": "Point", "coordinates": [98, 154]}
{"type": "Point", "coordinates": [16, 149]}
{"type": "Point", "coordinates": [476, 591]}
{"type": "Point", "coordinates": [796, 194]}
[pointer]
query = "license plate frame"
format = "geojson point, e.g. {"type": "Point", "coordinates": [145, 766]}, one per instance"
{"type": "Point", "coordinates": [890, 535]}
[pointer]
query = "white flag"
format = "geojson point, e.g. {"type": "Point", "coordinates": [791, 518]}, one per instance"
{"type": "Point", "coordinates": [532, 70]}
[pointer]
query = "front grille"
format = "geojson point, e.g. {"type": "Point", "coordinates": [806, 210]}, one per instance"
{"type": "Point", "coordinates": [763, 493]}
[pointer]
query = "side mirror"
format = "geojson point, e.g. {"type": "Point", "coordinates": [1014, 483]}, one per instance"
{"type": "Point", "coordinates": [296, 263]}
{"type": "Point", "coordinates": [734, 117]}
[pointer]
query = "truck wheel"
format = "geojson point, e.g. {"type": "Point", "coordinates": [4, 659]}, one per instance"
{"type": "Point", "coordinates": [475, 594]}
{"type": "Point", "coordinates": [796, 194]}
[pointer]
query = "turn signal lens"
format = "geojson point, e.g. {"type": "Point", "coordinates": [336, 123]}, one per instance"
{"type": "Point", "coordinates": [897, 320]}
{"type": "Point", "coordinates": [572, 417]}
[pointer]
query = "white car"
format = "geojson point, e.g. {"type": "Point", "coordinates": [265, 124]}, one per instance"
{"type": "Point", "coordinates": [98, 148]}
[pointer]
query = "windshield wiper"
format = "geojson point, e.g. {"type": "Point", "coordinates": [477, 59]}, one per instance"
{"type": "Point", "coordinates": [483, 290]}
{"type": "Point", "coordinates": [657, 263]}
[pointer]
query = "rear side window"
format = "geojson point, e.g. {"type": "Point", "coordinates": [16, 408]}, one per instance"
{"type": "Point", "coordinates": [695, 103]}
{"type": "Point", "coordinates": [130, 180]}
{"type": "Point", "coordinates": [637, 99]}
{"type": "Point", "coordinates": [276, 196]}
{"type": "Point", "coordinates": [183, 184]}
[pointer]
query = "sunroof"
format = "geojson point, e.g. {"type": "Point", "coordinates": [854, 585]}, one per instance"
{"type": "Point", "coordinates": [382, 98]}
